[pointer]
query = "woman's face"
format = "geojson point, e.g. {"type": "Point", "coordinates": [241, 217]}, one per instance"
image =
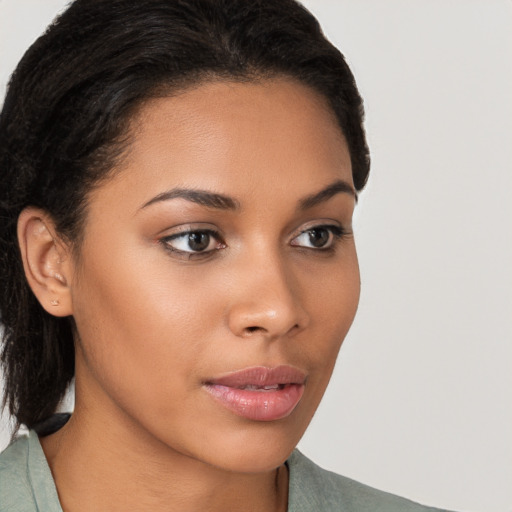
{"type": "Point", "coordinates": [218, 274]}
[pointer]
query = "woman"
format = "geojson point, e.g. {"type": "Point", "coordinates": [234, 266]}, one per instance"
{"type": "Point", "coordinates": [178, 182]}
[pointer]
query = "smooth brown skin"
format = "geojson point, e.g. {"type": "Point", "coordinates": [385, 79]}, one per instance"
{"type": "Point", "coordinates": [154, 325]}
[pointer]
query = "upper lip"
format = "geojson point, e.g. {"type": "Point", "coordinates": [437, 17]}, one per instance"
{"type": "Point", "coordinates": [261, 376]}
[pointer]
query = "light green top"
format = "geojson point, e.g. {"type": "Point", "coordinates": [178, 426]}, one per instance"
{"type": "Point", "coordinates": [26, 485]}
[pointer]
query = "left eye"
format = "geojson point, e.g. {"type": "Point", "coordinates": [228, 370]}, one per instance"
{"type": "Point", "coordinates": [192, 242]}
{"type": "Point", "coordinates": [319, 237]}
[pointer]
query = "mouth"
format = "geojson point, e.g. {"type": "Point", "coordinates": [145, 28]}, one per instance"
{"type": "Point", "coordinates": [259, 393]}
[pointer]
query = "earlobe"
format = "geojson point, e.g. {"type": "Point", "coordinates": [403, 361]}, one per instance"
{"type": "Point", "coordinates": [46, 261]}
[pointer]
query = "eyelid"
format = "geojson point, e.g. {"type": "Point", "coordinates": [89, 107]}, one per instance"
{"type": "Point", "coordinates": [321, 223]}
{"type": "Point", "coordinates": [186, 228]}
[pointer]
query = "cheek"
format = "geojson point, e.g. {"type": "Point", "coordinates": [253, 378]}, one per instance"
{"type": "Point", "coordinates": [334, 293]}
{"type": "Point", "coordinates": [142, 327]}
{"type": "Point", "coordinates": [333, 307]}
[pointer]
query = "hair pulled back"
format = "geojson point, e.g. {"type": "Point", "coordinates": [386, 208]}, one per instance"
{"type": "Point", "coordinates": [64, 123]}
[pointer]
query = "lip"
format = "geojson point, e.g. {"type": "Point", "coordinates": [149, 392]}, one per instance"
{"type": "Point", "coordinates": [259, 393]}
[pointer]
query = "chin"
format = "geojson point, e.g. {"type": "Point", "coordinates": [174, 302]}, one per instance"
{"type": "Point", "coordinates": [254, 449]}
{"type": "Point", "coordinates": [257, 459]}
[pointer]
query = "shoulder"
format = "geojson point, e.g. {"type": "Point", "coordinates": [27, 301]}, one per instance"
{"type": "Point", "coordinates": [15, 488]}
{"type": "Point", "coordinates": [26, 484]}
{"type": "Point", "coordinates": [313, 488]}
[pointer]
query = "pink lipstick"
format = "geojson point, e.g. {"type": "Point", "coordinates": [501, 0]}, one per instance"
{"type": "Point", "coordinates": [259, 393]}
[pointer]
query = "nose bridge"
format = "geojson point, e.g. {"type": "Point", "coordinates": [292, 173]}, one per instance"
{"type": "Point", "coordinates": [267, 300]}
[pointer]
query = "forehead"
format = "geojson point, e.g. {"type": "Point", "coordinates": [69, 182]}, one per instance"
{"type": "Point", "coordinates": [238, 138]}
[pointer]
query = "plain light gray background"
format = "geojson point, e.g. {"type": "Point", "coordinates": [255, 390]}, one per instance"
{"type": "Point", "coordinates": [421, 400]}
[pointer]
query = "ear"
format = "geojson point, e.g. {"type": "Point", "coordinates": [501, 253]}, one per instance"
{"type": "Point", "coordinates": [46, 260]}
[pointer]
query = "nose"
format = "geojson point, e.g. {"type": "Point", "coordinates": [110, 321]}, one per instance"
{"type": "Point", "coordinates": [267, 300]}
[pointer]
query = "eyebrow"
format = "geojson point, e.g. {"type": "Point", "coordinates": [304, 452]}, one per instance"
{"type": "Point", "coordinates": [201, 197]}
{"type": "Point", "coordinates": [222, 202]}
{"type": "Point", "coordinates": [325, 194]}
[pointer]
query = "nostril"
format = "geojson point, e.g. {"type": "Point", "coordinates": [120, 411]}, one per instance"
{"type": "Point", "coordinates": [255, 328]}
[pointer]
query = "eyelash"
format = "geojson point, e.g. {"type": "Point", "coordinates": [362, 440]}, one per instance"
{"type": "Point", "coordinates": [336, 233]}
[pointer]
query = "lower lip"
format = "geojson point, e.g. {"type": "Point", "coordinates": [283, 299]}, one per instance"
{"type": "Point", "coordinates": [258, 405]}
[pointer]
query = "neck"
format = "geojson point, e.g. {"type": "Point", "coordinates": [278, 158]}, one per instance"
{"type": "Point", "coordinates": [114, 466]}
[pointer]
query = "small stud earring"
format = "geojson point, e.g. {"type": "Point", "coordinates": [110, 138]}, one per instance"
{"type": "Point", "coordinates": [55, 302]}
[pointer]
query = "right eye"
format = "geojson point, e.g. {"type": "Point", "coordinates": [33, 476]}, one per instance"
{"type": "Point", "coordinates": [323, 237]}
{"type": "Point", "coordinates": [199, 241]}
